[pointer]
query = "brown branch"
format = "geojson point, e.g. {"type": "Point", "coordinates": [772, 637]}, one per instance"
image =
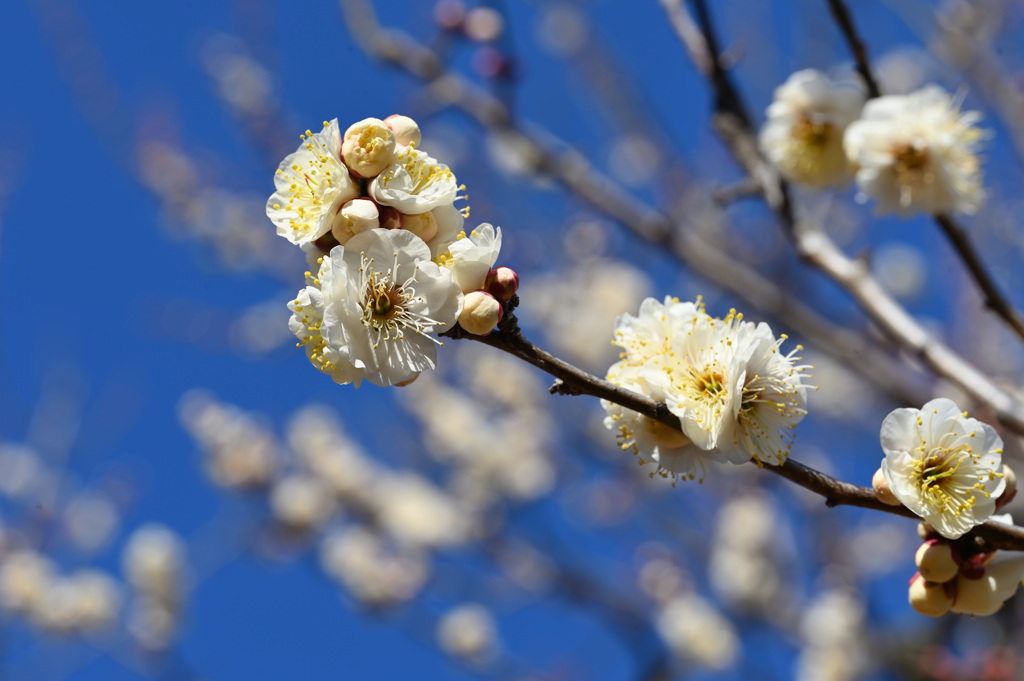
{"type": "Point", "coordinates": [816, 248]}
{"type": "Point", "coordinates": [841, 13]}
{"type": "Point", "coordinates": [571, 169]}
{"type": "Point", "coordinates": [994, 298]}
{"type": "Point", "coordinates": [510, 339]}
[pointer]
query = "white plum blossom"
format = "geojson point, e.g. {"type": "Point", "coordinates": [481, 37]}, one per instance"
{"type": "Point", "coordinates": [916, 153]}
{"type": "Point", "coordinates": [468, 632]}
{"type": "Point", "coordinates": [383, 298]}
{"type": "Point", "coordinates": [984, 593]}
{"type": "Point", "coordinates": [773, 396]}
{"type": "Point", "coordinates": [803, 133]}
{"type": "Point", "coordinates": [674, 454]}
{"type": "Point", "coordinates": [942, 465]}
{"type": "Point", "coordinates": [736, 395]}
{"type": "Point", "coordinates": [474, 256]}
{"type": "Point", "coordinates": [307, 324]}
{"type": "Point", "coordinates": [415, 183]}
{"type": "Point", "coordinates": [311, 185]}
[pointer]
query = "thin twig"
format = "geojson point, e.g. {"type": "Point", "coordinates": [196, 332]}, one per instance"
{"type": "Point", "coordinates": [510, 339]}
{"type": "Point", "coordinates": [841, 13]}
{"type": "Point", "coordinates": [994, 298]}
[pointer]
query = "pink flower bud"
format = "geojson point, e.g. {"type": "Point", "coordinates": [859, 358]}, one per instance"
{"type": "Point", "coordinates": [937, 561]}
{"type": "Point", "coordinates": [502, 283]}
{"type": "Point", "coordinates": [368, 147]}
{"type": "Point", "coordinates": [1010, 491]}
{"type": "Point", "coordinates": [882, 490]}
{"type": "Point", "coordinates": [423, 225]}
{"type": "Point", "coordinates": [405, 129]}
{"type": "Point", "coordinates": [929, 598]}
{"type": "Point", "coordinates": [480, 313]}
{"type": "Point", "coordinates": [390, 218]}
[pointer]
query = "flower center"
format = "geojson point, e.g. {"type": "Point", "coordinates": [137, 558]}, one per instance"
{"type": "Point", "coordinates": [812, 134]}
{"type": "Point", "coordinates": [910, 163]}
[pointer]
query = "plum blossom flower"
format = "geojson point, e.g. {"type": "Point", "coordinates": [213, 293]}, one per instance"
{"type": "Point", "coordinates": [382, 300]}
{"type": "Point", "coordinates": [675, 456]}
{"type": "Point", "coordinates": [415, 182]}
{"type": "Point", "coordinates": [803, 133]}
{"type": "Point", "coordinates": [916, 153]}
{"type": "Point", "coordinates": [311, 185]}
{"type": "Point", "coordinates": [368, 147]}
{"type": "Point", "coordinates": [942, 465]}
{"type": "Point", "coordinates": [307, 324]}
{"type": "Point", "coordinates": [736, 395]}
{"type": "Point", "coordinates": [473, 257]}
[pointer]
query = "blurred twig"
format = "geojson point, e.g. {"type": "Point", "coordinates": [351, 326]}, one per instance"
{"type": "Point", "coordinates": [841, 13]}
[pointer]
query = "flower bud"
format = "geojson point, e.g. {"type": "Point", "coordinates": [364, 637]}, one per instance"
{"type": "Point", "coordinates": [368, 147]}
{"type": "Point", "coordinates": [423, 225]}
{"type": "Point", "coordinates": [976, 596]}
{"type": "Point", "coordinates": [502, 283]}
{"type": "Point", "coordinates": [1010, 491]}
{"type": "Point", "coordinates": [882, 491]}
{"type": "Point", "coordinates": [405, 129]}
{"type": "Point", "coordinates": [358, 215]}
{"type": "Point", "coordinates": [929, 598]}
{"type": "Point", "coordinates": [926, 531]}
{"type": "Point", "coordinates": [390, 218]}
{"type": "Point", "coordinates": [937, 561]}
{"type": "Point", "coordinates": [985, 592]}
{"type": "Point", "coordinates": [480, 313]}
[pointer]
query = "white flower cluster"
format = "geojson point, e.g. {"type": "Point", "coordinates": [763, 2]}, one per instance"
{"type": "Point", "coordinates": [737, 397]}
{"type": "Point", "coordinates": [377, 216]}
{"type": "Point", "coordinates": [914, 153]}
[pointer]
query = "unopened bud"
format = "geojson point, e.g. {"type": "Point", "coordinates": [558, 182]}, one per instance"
{"type": "Point", "coordinates": [882, 491]}
{"type": "Point", "coordinates": [481, 312]}
{"type": "Point", "coordinates": [405, 129]}
{"type": "Point", "coordinates": [976, 596]}
{"type": "Point", "coordinates": [929, 598]}
{"type": "Point", "coordinates": [502, 283]}
{"type": "Point", "coordinates": [390, 218]}
{"type": "Point", "coordinates": [358, 215]}
{"type": "Point", "coordinates": [937, 561]}
{"type": "Point", "coordinates": [1010, 491]}
{"type": "Point", "coordinates": [368, 147]}
{"type": "Point", "coordinates": [926, 531]}
{"type": "Point", "coordinates": [423, 225]}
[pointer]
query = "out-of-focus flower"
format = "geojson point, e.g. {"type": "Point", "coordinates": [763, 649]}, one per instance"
{"type": "Point", "coordinates": [240, 451]}
{"type": "Point", "coordinates": [833, 631]}
{"type": "Point", "coordinates": [697, 633]}
{"type": "Point", "coordinates": [417, 514]}
{"type": "Point", "coordinates": [154, 562]}
{"type": "Point", "coordinates": [85, 601]}
{"type": "Point", "coordinates": [803, 133]}
{"type": "Point", "coordinates": [368, 147]}
{"type": "Point", "coordinates": [382, 300]}
{"type": "Point", "coordinates": [468, 632]}
{"type": "Point", "coordinates": [415, 183]}
{"type": "Point", "coordinates": [576, 307]}
{"type": "Point", "coordinates": [311, 184]}
{"type": "Point", "coordinates": [301, 502]}
{"type": "Point", "coordinates": [744, 565]}
{"type": "Point", "coordinates": [916, 153]}
{"type": "Point", "coordinates": [25, 578]}
{"type": "Point", "coordinates": [373, 571]}
{"type": "Point", "coordinates": [942, 465]}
